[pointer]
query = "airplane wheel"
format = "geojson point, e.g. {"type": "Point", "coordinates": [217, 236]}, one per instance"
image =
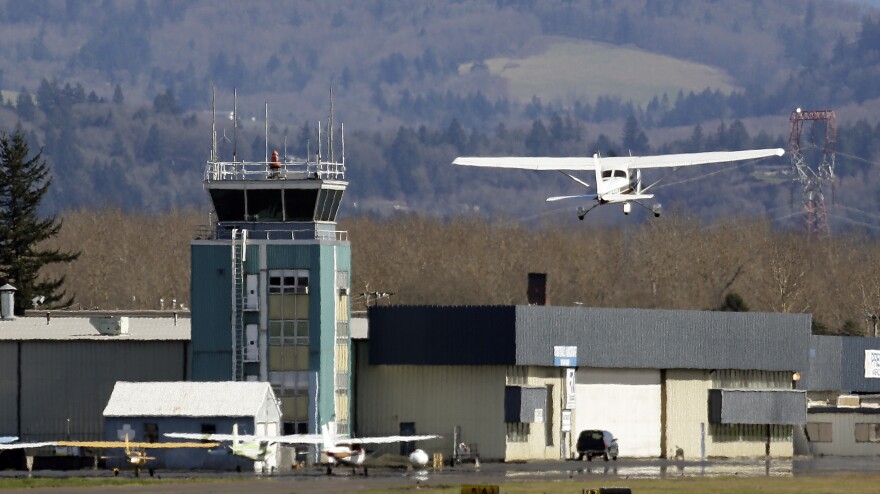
{"type": "Point", "coordinates": [329, 471]}
{"type": "Point", "coordinates": [152, 471]}
{"type": "Point", "coordinates": [137, 472]}
{"type": "Point", "coordinates": [366, 474]}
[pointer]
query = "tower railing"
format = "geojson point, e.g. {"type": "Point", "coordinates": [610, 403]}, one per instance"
{"type": "Point", "coordinates": [217, 171]}
{"type": "Point", "coordinates": [209, 232]}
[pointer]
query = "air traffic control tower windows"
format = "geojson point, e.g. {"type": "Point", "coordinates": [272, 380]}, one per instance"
{"type": "Point", "coordinates": [289, 337]}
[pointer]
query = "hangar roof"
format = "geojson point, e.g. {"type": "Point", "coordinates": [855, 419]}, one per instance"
{"type": "Point", "coordinates": [839, 363]}
{"type": "Point", "coordinates": [187, 399]}
{"type": "Point", "coordinates": [610, 338]}
{"type": "Point", "coordinates": [81, 328]}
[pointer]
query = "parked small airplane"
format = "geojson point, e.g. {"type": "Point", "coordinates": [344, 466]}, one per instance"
{"type": "Point", "coordinates": [618, 179]}
{"type": "Point", "coordinates": [338, 450]}
{"type": "Point", "coordinates": [135, 453]}
{"type": "Point", "coordinates": [261, 449]}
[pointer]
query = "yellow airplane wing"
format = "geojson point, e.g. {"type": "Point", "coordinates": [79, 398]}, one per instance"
{"type": "Point", "coordinates": [123, 444]}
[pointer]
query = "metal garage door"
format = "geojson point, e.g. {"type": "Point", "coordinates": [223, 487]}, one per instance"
{"type": "Point", "coordinates": [623, 401]}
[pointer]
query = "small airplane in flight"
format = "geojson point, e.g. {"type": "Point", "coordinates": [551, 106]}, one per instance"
{"type": "Point", "coordinates": [135, 453]}
{"type": "Point", "coordinates": [619, 178]}
{"type": "Point", "coordinates": [338, 450]}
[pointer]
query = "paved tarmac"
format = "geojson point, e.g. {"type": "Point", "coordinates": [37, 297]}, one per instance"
{"type": "Point", "coordinates": [315, 480]}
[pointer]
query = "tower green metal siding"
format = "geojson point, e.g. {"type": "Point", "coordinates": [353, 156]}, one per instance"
{"type": "Point", "coordinates": [210, 290]}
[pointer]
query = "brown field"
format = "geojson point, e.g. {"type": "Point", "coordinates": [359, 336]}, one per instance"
{"type": "Point", "coordinates": [568, 70]}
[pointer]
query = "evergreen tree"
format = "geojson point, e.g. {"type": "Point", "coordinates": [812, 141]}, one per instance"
{"type": "Point", "coordinates": [733, 302]}
{"type": "Point", "coordinates": [634, 139]}
{"type": "Point", "coordinates": [118, 98]}
{"type": "Point", "coordinates": [23, 183]}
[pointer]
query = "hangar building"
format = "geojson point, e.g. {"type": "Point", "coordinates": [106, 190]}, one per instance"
{"type": "Point", "coordinates": [843, 384]}
{"type": "Point", "coordinates": [58, 371]}
{"type": "Point", "coordinates": [519, 382]}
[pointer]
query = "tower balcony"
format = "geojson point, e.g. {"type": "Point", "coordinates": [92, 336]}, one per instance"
{"type": "Point", "coordinates": [276, 199]}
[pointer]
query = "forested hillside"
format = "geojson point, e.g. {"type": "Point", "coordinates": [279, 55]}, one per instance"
{"type": "Point", "coordinates": [130, 261]}
{"type": "Point", "coordinates": [118, 94]}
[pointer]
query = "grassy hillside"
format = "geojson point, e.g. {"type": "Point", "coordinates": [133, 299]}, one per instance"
{"type": "Point", "coordinates": [581, 70]}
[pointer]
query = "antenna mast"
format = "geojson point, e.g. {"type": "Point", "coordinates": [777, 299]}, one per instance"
{"type": "Point", "coordinates": [213, 127]}
{"type": "Point", "coordinates": [267, 131]}
{"type": "Point", "coordinates": [234, 125]}
{"type": "Point", "coordinates": [330, 128]}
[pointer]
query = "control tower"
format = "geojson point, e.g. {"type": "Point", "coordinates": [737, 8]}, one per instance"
{"type": "Point", "coordinates": [270, 285]}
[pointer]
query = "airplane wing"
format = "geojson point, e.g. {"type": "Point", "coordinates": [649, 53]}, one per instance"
{"type": "Point", "coordinates": [193, 436]}
{"type": "Point", "coordinates": [582, 197]}
{"type": "Point", "coordinates": [107, 444]}
{"type": "Point", "coordinates": [384, 440]}
{"type": "Point", "coordinates": [688, 159]}
{"type": "Point", "coordinates": [123, 444]}
{"type": "Point", "coordinates": [578, 163]}
{"type": "Point", "coordinates": [289, 439]}
{"type": "Point", "coordinates": [583, 163]}
{"type": "Point", "coordinates": [26, 445]}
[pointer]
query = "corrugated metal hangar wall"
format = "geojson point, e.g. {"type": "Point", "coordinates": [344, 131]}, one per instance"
{"type": "Point", "coordinates": [54, 389]}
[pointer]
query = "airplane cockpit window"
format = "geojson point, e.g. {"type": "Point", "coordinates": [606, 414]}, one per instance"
{"type": "Point", "coordinates": [607, 173]}
{"type": "Point", "coordinates": [620, 173]}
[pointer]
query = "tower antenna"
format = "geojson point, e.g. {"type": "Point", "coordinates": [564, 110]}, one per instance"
{"type": "Point", "coordinates": [234, 125]}
{"type": "Point", "coordinates": [330, 128]}
{"type": "Point", "coordinates": [213, 126]}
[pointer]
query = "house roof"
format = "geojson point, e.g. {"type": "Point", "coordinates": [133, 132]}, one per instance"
{"type": "Point", "coordinates": [83, 328]}
{"type": "Point", "coordinates": [187, 399]}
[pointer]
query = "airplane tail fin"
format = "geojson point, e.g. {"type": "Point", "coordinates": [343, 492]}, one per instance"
{"type": "Point", "coordinates": [328, 431]}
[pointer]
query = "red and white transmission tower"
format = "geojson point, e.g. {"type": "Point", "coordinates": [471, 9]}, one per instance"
{"type": "Point", "coordinates": [813, 178]}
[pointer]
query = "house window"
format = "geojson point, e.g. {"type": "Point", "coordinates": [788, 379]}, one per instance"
{"type": "Point", "coordinates": [517, 432]}
{"type": "Point", "coordinates": [151, 432]}
{"type": "Point", "coordinates": [820, 432]}
{"type": "Point", "coordinates": [296, 428]}
{"type": "Point", "coordinates": [868, 433]}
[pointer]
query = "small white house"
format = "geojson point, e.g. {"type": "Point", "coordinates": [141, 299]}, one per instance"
{"type": "Point", "coordinates": [145, 411]}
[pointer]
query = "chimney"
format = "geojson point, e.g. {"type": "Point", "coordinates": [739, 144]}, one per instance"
{"type": "Point", "coordinates": [7, 302]}
{"type": "Point", "coordinates": [537, 292]}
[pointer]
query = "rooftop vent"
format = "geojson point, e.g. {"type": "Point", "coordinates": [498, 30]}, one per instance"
{"type": "Point", "coordinates": [848, 401]}
{"type": "Point", "coordinates": [7, 302]}
{"type": "Point", "coordinates": [110, 325]}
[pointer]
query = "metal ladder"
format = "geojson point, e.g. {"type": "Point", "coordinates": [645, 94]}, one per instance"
{"type": "Point", "coordinates": [239, 244]}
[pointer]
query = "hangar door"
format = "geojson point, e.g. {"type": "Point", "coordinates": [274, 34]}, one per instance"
{"type": "Point", "coordinates": [623, 401]}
